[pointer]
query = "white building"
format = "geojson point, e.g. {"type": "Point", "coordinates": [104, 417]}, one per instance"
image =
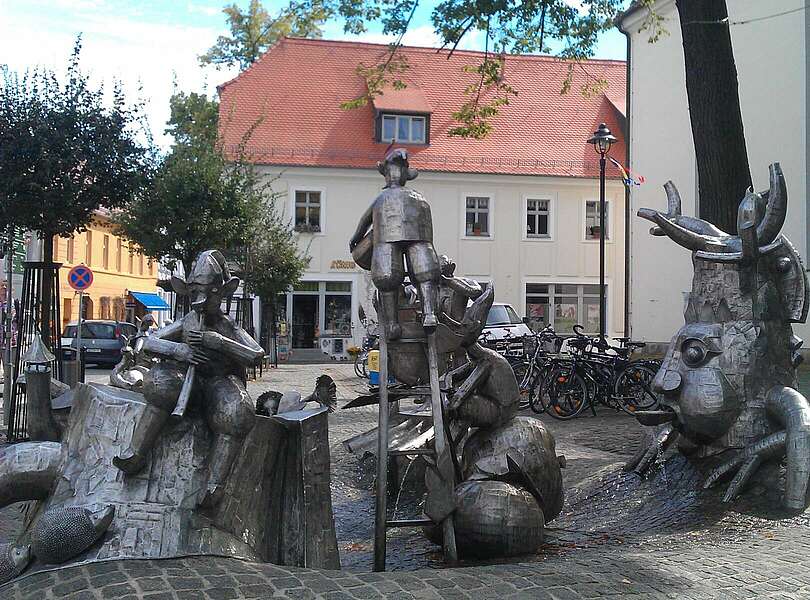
{"type": "Point", "coordinates": [519, 208]}
{"type": "Point", "coordinates": [770, 50]}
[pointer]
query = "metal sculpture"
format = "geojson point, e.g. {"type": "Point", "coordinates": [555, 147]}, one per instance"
{"type": "Point", "coordinates": [728, 379]}
{"type": "Point", "coordinates": [41, 424]}
{"type": "Point", "coordinates": [131, 370]}
{"type": "Point", "coordinates": [65, 532]}
{"type": "Point", "coordinates": [401, 227]}
{"type": "Point", "coordinates": [488, 394]}
{"type": "Point", "coordinates": [13, 560]}
{"type": "Point", "coordinates": [204, 349]}
{"type": "Point", "coordinates": [488, 511]}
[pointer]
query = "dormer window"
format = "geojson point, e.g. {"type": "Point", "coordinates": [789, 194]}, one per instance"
{"type": "Point", "coordinates": [407, 129]}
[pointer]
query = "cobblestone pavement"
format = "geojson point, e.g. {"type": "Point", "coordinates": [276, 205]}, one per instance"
{"type": "Point", "coordinates": [618, 535]}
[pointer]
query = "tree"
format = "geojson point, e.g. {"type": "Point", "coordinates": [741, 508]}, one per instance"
{"type": "Point", "coordinates": [255, 30]}
{"type": "Point", "coordinates": [273, 261]}
{"type": "Point", "coordinates": [64, 153]}
{"type": "Point", "coordinates": [521, 26]}
{"type": "Point", "coordinates": [197, 199]}
{"type": "Point", "coordinates": [724, 174]}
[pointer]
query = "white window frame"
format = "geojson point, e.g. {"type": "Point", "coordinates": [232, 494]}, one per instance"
{"type": "Point", "coordinates": [552, 212]}
{"type": "Point", "coordinates": [490, 215]}
{"type": "Point", "coordinates": [293, 192]}
{"type": "Point", "coordinates": [396, 118]}
{"type": "Point", "coordinates": [609, 215]}
{"type": "Point", "coordinates": [552, 295]}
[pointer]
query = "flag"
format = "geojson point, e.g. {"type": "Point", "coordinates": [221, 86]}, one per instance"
{"type": "Point", "coordinates": [628, 176]}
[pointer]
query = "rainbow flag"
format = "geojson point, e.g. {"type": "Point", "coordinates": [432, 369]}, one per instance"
{"type": "Point", "coordinates": [628, 176]}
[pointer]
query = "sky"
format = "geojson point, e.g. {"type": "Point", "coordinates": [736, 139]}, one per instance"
{"type": "Point", "coordinates": [151, 46]}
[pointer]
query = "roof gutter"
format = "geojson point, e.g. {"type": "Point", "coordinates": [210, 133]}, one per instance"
{"type": "Point", "coordinates": [627, 145]}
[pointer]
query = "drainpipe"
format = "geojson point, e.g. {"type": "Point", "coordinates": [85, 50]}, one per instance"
{"type": "Point", "coordinates": [627, 198]}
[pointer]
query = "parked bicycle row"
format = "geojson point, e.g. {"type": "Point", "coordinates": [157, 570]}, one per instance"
{"type": "Point", "coordinates": [592, 371]}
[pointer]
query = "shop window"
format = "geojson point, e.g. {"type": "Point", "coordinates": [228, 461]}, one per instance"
{"type": "Point", "coordinates": [562, 306]}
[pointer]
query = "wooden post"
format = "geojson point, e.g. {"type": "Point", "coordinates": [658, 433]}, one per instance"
{"type": "Point", "coordinates": [440, 441]}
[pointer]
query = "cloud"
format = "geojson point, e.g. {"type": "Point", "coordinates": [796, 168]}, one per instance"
{"type": "Point", "coordinates": [146, 57]}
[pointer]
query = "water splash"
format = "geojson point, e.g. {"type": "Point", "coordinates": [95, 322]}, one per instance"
{"type": "Point", "coordinates": [402, 486]}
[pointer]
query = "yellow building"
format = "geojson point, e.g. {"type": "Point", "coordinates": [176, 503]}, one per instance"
{"type": "Point", "coordinates": [117, 272]}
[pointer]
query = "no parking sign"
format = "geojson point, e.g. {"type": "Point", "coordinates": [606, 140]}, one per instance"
{"type": "Point", "coordinates": [80, 278]}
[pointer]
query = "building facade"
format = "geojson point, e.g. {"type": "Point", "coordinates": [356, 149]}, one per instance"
{"type": "Point", "coordinates": [770, 51]}
{"type": "Point", "coordinates": [519, 208]}
{"type": "Point", "coordinates": [118, 271]}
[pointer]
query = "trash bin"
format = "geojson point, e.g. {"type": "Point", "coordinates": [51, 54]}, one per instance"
{"type": "Point", "coordinates": [374, 367]}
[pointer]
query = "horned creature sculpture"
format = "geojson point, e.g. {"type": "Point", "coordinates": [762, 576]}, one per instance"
{"type": "Point", "coordinates": [729, 376]}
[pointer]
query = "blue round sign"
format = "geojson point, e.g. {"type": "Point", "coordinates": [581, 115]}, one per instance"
{"type": "Point", "coordinates": [80, 278]}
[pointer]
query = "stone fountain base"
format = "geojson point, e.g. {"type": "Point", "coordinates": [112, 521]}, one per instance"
{"type": "Point", "coordinates": [276, 507]}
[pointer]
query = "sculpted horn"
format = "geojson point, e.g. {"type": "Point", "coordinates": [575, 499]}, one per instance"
{"type": "Point", "coordinates": [682, 236]}
{"type": "Point", "coordinates": [776, 210]}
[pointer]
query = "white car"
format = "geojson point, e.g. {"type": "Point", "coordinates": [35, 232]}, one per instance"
{"type": "Point", "coordinates": [504, 330]}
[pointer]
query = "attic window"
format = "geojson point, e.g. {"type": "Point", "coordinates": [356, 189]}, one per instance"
{"type": "Point", "coordinates": [409, 129]}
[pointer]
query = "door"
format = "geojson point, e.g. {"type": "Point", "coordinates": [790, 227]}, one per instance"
{"type": "Point", "coordinates": [304, 321]}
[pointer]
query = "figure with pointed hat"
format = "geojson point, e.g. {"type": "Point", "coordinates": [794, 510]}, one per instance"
{"type": "Point", "coordinates": [211, 352]}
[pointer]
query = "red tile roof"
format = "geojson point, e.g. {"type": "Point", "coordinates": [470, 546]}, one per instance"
{"type": "Point", "coordinates": [410, 99]}
{"type": "Point", "coordinates": [292, 96]}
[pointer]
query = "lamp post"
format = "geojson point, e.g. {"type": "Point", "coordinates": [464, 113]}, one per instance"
{"type": "Point", "coordinates": [602, 140]}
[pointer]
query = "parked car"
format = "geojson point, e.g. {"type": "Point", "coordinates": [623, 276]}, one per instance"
{"type": "Point", "coordinates": [102, 341]}
{"type": "Point", "coordinates": [504, 330]}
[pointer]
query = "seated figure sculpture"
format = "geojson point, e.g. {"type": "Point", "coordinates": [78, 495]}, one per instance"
{"type": "Point", "coordinates": [728, 379]}
{"type": "Point", "coordinates": [207, 352]}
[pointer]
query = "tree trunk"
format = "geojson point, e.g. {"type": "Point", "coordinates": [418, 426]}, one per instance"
{"type": "Point", "coordinates": [47, 291]}
{"type": "Point", "coordinates": [714, 109]}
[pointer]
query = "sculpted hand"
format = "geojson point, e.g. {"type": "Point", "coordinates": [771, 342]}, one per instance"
{"type": "Point", "coordinates": [205, 339]}
{"type": "Point", "coordinates": [192, 355]}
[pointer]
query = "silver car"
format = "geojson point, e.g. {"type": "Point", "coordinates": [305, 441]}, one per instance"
{"type": "Point", "coordinates": [102, 341]}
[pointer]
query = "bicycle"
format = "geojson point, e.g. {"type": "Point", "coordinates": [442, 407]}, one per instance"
{"type": "Point", "coordinates": [599, 372]}
{"type": "Point", "coordinates": [532, 373]}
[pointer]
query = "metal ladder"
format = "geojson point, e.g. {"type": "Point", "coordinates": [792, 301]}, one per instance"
{"type": "Point", "coordinates": [441, 452]}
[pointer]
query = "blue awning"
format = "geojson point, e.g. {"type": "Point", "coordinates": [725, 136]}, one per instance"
{"type": "Point", "coordinates": [150, 301]}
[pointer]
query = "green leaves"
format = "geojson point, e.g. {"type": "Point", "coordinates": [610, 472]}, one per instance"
{"type": "Point", "coordinates": [514, 26]}
{"type": "Point", "coordinates": [64, 153]}
{"type": "Point", "coordinates": [255, 30]}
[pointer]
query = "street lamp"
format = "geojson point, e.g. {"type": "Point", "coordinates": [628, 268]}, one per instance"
{"type": "Point", "coordinates": [602, 140]}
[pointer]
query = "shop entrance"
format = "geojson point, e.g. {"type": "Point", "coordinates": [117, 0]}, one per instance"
{"type": "Point", "coordinates": [305, 321]}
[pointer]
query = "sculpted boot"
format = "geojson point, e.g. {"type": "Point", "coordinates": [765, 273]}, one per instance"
{"type": "Point", "coordinates": [133, 459]}
{"type": "Point", "coordinates": [390, 306]}
{"type": "Point", "coordinates": [430, 297]}
{"type": "Point", "coordinates": [221, 458]}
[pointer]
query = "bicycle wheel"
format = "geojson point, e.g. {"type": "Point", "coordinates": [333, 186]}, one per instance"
{"type": "Point", "coordinates": [568, 393]}
{"type": "Point", "coordinates": [539, 397]}
{"type": "Point", "coordinates": [523, 376]}
{"type": "Point", "coordinates": [633, 388]}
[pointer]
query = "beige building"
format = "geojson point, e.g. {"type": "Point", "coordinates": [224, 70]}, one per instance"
{"type": "Point", "coordinates": [770, 51]}
{"type": "Point", "coordinates": [117, 273]}
{"type": "Point", "coordinates": [519, 208]}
